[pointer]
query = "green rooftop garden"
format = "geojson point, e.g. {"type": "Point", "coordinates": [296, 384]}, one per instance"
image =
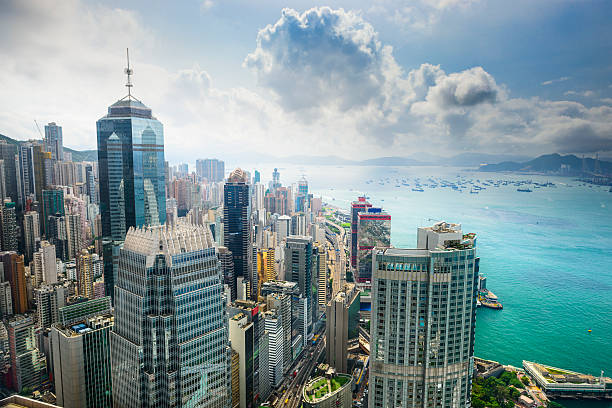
{"type": "Point", "coordinates": [322, 386]}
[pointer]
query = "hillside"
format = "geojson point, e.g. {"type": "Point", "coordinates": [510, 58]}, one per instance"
{"type": "Point", "coordinates": [553, 163]}
{"type": "Point", "coordinates": [77, 155]}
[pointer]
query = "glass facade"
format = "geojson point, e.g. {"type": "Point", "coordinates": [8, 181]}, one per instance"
{"type": "Point", "coordinates": [237, 231]}
{"type": "Point", "coordinates": [131, 172]}
{"type": "Point", "coordinates": [423, 321]}
{"type": "Point", "coordinates": [373, 230]}
{"type": "Point", "coordinates": [170, 337]}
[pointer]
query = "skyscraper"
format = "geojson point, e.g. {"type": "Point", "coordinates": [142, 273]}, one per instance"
{"type": "Point", "coordinates": [49, 299]}
{"type": "Point", "coordinates": [14, 273]}
{"type": "Point", "coordinates": [9, 227]}
{"type": "Point", "coordinates": [212, 170]}
{"type": "Point", "coordinates": [249, 338]}
{"type": "Point", "coordinates": [10, 156]}
{"type": "Point", "coordinates": [28, 364]}
{"type": "Point", "coordinates": [90, 184]}
{"type": "Point", "coordinates": [31, 233]}
{"type": "Point", "coordinates": [85, 273]}
{"type": "Point", "coordinates": [131, 174]}
{"type": "Point", "coordinates": [237, 227]}
{"type": "Point", "coordinates": [43, 266]}
{"type": "Point", "coordinates": [275, 180]}
{"type": "Point", "coordinates": [373, 230]}
{"type": "Point", "coordinates": [54, 141]}
{"type": "Point", "coordinates": [81, 356]}
{"type": "Point", "coordinates": [274, 326]}
{"type": "Point", "coordinates": [356, 207]}
{"type": "Point", "coordinates": [52, 204]}
{"type": "Point", "coordinates": [423, 314]}
{"type": "Point", "coordinates": [169, 344]}
{"type": "Point", "coordinates": [26, 171]}
{"type": "Point", "coordinates": [342, 325]}
{"type": "Point", "coordinates": [321, 276]}
{"type": "Point", "coordinates": [298, 268]}
{"type": "Point", "coordinates": [265, 267]}
{"type": "Point", "coordinates": [284, 297]}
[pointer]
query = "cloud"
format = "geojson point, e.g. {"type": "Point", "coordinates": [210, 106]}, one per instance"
{"type": "Point", "coordinates": [327, 83]}
{"type": "Point", "coordinates": [553, 81]}
{"type": "Point", "coordinates": [606, 100]}
{"type": "Point", "coordinates": [324, 59]}
{"type": "Point", "coordinates": [584, 94]}
{"type": "Point", "coordinates": [206, 5]}
{"type": "Point", "coordinates": [467, 88]}
{"type": "Point", "coordinates": [419, 15]}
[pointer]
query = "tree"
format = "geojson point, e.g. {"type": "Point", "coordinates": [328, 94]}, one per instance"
{"type": "Point", "coordinates": [525, 380]}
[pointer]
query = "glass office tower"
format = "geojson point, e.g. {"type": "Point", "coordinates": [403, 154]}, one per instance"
{"type": "Point", "coordinates": [237, 229]}
{"type": "Point", "coordinates": [169, 344]}
{"type": "Point", "coordinates": [131, 173]}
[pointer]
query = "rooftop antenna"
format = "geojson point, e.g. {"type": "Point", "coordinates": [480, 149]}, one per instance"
{"type": "Point", "coordinates": [128, 72]}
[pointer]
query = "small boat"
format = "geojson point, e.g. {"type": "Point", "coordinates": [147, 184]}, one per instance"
{"type": "Point", "coordinates": [524, 190]}
{"type": "Point", "coordinates": [472, 191]}
{"type": "Point", "coordinates": [419, 189]}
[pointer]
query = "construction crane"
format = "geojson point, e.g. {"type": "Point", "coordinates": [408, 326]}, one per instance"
{"type": "Point", "coordinates": [39, 131]}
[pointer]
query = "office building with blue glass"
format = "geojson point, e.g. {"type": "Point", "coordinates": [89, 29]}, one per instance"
{"type": "Point", "coordinates": [131, 174]}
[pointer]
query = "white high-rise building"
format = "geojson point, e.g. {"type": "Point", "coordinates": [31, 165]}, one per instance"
{"type": "Point", "coordinates": [274, 326]}
{"type": "Point", "coordinates": [423, 314]}
{"type": "Point", "coordinates": [44, 266]}
{"type": "Point", "coordinates": [282, 228]}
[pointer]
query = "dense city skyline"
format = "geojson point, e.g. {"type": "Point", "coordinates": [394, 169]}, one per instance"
{"type": "Point", "coordinates": [226, 245]}
{"type": "Point", "coordinates": [360, 80]}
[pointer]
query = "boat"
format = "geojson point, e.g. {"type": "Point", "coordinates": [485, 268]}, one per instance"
{"type": "Point", "coordinates": [524, 190]}
{"type": "Point", "coordinates": [419, 189]}
{"type": "Point", "coordinates": [472, 191]}
{"type": "Point", "coordinates": [489, 299]}
{"type": "Point", "coordinates": [610, 190]}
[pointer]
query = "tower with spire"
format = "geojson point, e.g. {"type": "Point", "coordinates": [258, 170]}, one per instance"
{"type": "Point", "coordinates": [131, 172]}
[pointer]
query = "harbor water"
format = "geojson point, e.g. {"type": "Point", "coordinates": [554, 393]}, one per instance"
{"type": "Point", "coordinates": [547, 254]}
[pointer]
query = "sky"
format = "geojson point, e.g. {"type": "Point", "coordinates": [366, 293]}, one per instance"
{"type": "Point", "coordinates": [240, 79]}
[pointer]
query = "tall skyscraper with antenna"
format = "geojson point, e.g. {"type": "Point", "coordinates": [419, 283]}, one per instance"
{"type": "Point", "coordinates": [131, 174]}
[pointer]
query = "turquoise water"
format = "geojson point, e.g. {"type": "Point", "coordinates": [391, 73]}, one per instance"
{"type": "Point", "coordinates": [547, 255]}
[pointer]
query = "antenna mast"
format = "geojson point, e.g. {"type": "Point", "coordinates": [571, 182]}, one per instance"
{"type": "Point", "coordinates": [128, 72]}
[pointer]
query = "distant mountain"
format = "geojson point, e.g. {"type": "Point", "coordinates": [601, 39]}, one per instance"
{"type": "Point", "coordinates": [391, 161]}
{"type": "Point", "coordinates": [82, 155]}
{"type": "Point", "coordinates": [554, 163]}
{"type": "Point", "coordinates": [467, 159]}
{"type": "Point", "coordinates": [77, 155]}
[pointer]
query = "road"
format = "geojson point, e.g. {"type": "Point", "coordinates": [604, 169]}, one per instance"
{"type": "Point", "coordinates": [304, 368]}
{"type": "Point", "coordinates": [339, 272]}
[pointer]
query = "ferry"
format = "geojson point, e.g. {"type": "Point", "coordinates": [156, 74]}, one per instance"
{"type": "Point", "coordinates": [489, 299]}
{"type": "Point", "coordinates": [485, 297]}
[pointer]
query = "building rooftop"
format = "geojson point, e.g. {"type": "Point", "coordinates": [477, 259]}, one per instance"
{"type": "Point", "coordinates": [167, 239]}
{"type": "Point", "coordinates": [444, 227]}
{"type": "Point", "coordinates": [237, 176]}
{"type": "Point", "coordinates": [18, 401]}
{"type": "Point", "coordinates": [87, 325]}
{"type": "Point", "coordinates": [129, 107]}
{"type": "Point", "coordinates": [322, 388]}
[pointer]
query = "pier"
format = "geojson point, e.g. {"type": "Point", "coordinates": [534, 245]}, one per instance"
{"type": "Point", "coordinates": [561, 383]}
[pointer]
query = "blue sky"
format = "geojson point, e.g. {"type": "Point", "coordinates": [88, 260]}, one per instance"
{"type": "Point", "coordinates": [352, 78]}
